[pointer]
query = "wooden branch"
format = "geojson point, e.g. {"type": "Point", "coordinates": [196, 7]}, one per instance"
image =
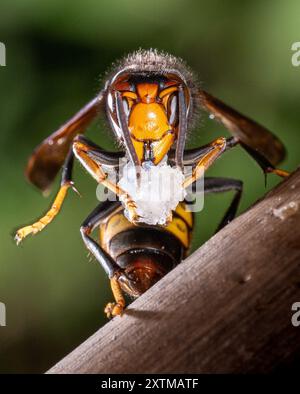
{"type": "Point", "coordinates": [226, 308]}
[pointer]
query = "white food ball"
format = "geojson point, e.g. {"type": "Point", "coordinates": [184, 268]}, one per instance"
{"type": "Point", "coordinates": [159, 192]}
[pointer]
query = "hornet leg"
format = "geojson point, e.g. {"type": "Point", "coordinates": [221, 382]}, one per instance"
{"type": "Point", "coordinates": [102, 211]}
{"type": "Point", "coordinates": [85, 152]}
{"type": "Point", "coordinates": [264, 163]}
{"type": "Point", "coordinates": [219, 185]}
{"type": "Point", "coordinates": [192, 156]}
{"type": "Point", "coordinates": [66, 183]}
{"type": "Point", "coordinates": [217, 148]}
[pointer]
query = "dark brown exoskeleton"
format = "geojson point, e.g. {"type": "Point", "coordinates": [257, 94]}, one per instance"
{"type": "Point", "coordinates": [150, 100]}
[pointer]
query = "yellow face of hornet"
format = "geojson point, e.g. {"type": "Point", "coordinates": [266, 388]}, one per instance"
{"type": "Point", "coordinates": [150, 127]}
{"type": "Point", "coordinates": [151, 115]}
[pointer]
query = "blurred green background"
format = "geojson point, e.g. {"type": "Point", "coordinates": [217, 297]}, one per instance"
{"type": "Point", "coordinates": [56, 54]}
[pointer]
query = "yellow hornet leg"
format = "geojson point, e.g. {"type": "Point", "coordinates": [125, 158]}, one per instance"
{"type": "Point", "coordinates": [206, 161]}
{"type": "Point", "coordinates": [278, 172]}
{"type": "Point", "coordinates": [81, 151]}
{"type": "Point", "coordinates": [115, 308]}
{"type": "Point", "coordinates": [45, 220]}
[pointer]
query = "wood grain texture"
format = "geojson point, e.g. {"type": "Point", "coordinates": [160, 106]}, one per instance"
{"type": "Point", "coordinates": [226, 308]}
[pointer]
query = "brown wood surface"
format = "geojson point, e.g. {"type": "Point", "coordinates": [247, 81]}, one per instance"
{"type": "Point", "coordinates": [226, 308]}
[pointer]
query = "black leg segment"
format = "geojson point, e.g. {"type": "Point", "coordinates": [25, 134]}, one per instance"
{"type": "Point", "coordinates": [192, 156]}
{"type": "Point", "coordinates": [67, 169]}
{"type": "Point", "coordinates": [102, 211]}
{"type": "Point", "coordinates": [99, 155]}
{"type": "Point", "coordinates": [219, 185]}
